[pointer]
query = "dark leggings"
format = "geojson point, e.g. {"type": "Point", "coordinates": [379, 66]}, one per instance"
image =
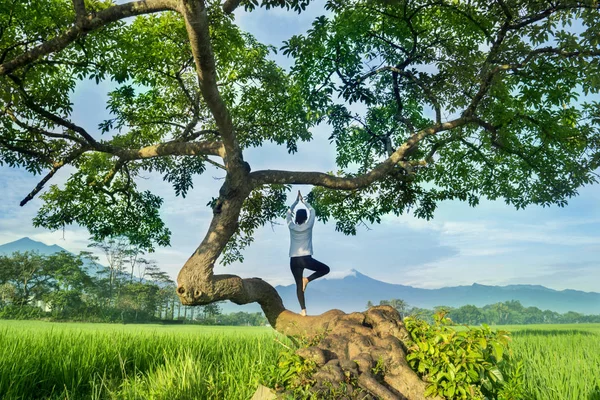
{"type": "Point", "coordinates": [298, 264]}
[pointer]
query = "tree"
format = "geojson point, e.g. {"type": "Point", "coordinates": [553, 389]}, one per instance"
{"type": "Point", "coordinates": [212, 310]}
{"type": "Point", "coordinates": [120, 251]}
{"type": "Point", "coordinates": [28, 274]}
{"type": "Point", "coordinates": [398, 304]}
{"type": "Point", "coordinates": [70, 281]}
{"type": "Point", "coordinates": [468, 314]}
{"type": "Point", "coordinates": [425, 102]}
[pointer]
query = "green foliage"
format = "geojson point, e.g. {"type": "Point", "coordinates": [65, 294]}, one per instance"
{"type": "Point", "coordinates": [120, 211]}
{"type": "Point", "coordinates": [291, 374]}
{"type": "Point", "coordinates": [471, 364]}
{"type": "Point", "coordinates": [404, 62]}
{"type": "Point", "coordinates": [21, 312]}
{"type": "Point", "coordinates": [154, 97]}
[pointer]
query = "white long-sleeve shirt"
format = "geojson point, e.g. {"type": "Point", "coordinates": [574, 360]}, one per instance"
{"type": "Point", "coordinates": [300, 235]}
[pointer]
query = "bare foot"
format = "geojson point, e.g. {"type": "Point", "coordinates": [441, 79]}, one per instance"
{"type": "Point", "coordinates": [303, 312]}
{"type": "Point", "coordinates": [304, 283]}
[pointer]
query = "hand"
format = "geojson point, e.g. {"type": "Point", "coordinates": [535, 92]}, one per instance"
{"type": "Point", "coordinates": [300, 197]}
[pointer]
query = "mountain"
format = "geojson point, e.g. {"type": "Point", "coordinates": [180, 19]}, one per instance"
{"type": "Point", "coordinates": [354, 291]}
{"type": "Point", "coordinates": [26, 244]}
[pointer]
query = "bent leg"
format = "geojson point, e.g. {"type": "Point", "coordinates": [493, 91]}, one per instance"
{"type": "Point", "coordinates": [297, 269]}
{"type": "Point", "coordinates": [319, 268]}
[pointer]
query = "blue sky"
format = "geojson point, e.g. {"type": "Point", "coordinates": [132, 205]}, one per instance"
{"type": "Point", "coordinates": [490, 244]}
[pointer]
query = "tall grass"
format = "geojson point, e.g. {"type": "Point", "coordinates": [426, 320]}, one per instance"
{"type": "Point", "coordinates": [73, 361]}
{"type": "Point", "coordinates": [562, 362]}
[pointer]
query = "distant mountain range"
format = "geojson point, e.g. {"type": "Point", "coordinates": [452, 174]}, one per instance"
{"type": "Point", "coordinates": [25, 244]}
{"type": "Point", "coordinates": [354, 291]}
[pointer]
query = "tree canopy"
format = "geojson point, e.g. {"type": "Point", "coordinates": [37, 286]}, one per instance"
{"type": "Point", "coordinates": [424, 102]}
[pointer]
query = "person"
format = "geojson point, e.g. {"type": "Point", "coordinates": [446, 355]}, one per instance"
{"type": "Point", "coordinates": [301, 249]}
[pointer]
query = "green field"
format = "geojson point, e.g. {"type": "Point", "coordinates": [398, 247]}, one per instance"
{"type": "Point", "coordinates": [99, 361]}
{"type": "Point", "coordinates": [562, 362]}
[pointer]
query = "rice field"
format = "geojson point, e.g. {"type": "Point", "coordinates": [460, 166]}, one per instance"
{"type": "Point", "coordinates": [42, 360]}
{"type": "Point", "coordinates": [562, 362]}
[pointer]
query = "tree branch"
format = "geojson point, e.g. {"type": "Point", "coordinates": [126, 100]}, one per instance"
{"type": "Point", "coordinates": [80, 12]}
{"type": "Point", "coordinates": [230, 5]}
{"type": "Point", "coordinates": [546, 50]}
{"type": "Point", "coordinates": [349, 183]}
{"type": "Point", "coordinates": [53, 117]}
{"type": "Point", "coordinates": [43, 132]}
{"type": "Point", "coordinates": [88, 24]}
{"type": "Point", "coordinates": [530, 19]}
{"type": "Point", "coordinates": [27, 151]}
{"type": "Point", "coordinates": [171, 148]}
{"type": "Point", "coordinates": [196, 20]}
{"type": "Point", "coordinates": [53, 170]}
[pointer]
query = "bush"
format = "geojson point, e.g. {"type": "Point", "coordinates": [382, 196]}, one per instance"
{"type": "Point", "coordinates": [475, 363]}
{"type": "Point", "coordinates": [22, 312]}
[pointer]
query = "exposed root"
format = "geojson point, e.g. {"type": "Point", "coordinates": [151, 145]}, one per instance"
{"type": "Point", "coordinates": [360, 355]}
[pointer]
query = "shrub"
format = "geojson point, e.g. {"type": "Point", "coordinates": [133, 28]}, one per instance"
{"type": "Point", "coordinates": [22, 312]}
{"type": "Point", "coordinates": [475, 363]}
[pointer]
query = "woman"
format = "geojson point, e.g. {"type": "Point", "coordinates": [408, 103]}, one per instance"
{"type": "Point", "coordinates": [301, 249]}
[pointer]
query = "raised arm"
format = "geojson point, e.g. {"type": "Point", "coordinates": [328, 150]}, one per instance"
{"type": "Point", "coordinates": [290, 212]}
{"type": "Point", "coordinates": [311, 217]}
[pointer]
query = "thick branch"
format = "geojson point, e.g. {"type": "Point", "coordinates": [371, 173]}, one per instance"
{"type": "Point", "coordinates": [230, 5]}
{"type": "Point", "coordinates": [88, 24]}
{"type": "Point", "coordinates": [176, 148]}
{"type": "Point", "coordinates": [196, 20]}
{"type": "Point", "coordinates": [341, 183]}
{"type": "Point", "coordinates": [80, 12]}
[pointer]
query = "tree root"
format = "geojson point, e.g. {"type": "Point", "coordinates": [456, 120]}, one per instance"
{"type": "Point", "coordinates": [360, 356]}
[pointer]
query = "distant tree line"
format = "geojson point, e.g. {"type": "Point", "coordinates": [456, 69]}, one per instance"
{"type": "Point", "coordinates": [129, 289]}
{"type": "Point", "coordinates": [504, 313]}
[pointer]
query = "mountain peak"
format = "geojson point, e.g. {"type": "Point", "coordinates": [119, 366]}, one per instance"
{"type": "Point", "coordinates": [353, 273]}
{"type": "Point", "coordinates": [24, 240]}
{"type": "Point", "coordinates": [27, 244]}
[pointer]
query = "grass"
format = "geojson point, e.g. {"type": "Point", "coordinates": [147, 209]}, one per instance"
{"type": "Point", "coordinates": [99, 361]}
{"type": "Point", "coordinates": [562, 362]}
{"type": "Point", "coordinates": [42, 360]}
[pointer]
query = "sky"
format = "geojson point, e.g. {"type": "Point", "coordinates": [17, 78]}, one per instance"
{"type": "Point", "coordinates": [492, 244]}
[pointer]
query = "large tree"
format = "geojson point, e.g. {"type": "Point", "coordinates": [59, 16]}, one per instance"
{"type": "Point", "coordinates": [425, 101]}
